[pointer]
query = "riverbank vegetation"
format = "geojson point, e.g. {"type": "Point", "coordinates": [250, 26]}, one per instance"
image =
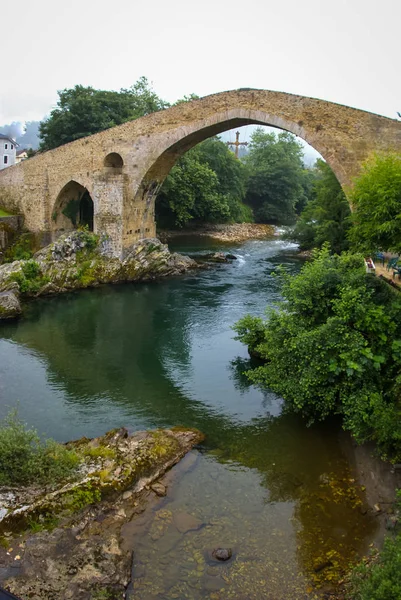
{"type": "Point", "coordinates": [376, 198]}
{"type": "Point", "coordinates": [26, 459]}
{"type": "Point", "coordinates": [209, 185]}
{"type": "Point", "coordinates": [326, 216]}
{"type": "Point", "coordinates": [379, 578]}
{"type": "Point", "coordinates": [206, 185]}
{"type": "Point", "coordinates": [334, 347]}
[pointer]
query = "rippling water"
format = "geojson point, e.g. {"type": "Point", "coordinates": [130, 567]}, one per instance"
{"type": "Point", "coordinates": [282, 496]}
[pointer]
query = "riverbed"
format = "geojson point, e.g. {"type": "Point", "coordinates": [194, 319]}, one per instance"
{"type": "Point", "coordinates": [285, 498]}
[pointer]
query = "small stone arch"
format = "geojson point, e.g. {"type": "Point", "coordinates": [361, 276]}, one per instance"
{"type": "Point", "coordinates": [73, 208]}
{"type": "Point", "coordinates": [113, 160]}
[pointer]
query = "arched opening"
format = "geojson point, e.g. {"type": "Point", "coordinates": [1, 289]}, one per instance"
{"type": "Point", "coordinates": [320, 133]}
{"type": "Point", "coordinates": [268, 200]}
{"type": "Point", "coordinates": [113, 160]}
{"type": "Point", "coordinates": [86, 211]}
{"type": "Point", "coordinates": [73, 208]}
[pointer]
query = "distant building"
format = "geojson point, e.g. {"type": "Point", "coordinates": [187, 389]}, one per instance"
{"type": "Point", "coordinates": [8, 151]}
{"type": "Point", "coordinates": [21, 155]}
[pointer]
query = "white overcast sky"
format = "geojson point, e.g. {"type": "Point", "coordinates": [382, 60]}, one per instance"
{"type": "Point", "coordinates": [346, 51]}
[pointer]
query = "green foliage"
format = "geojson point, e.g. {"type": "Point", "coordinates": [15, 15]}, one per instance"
{"type": "Point", "coordinates": [104, 593]}
{"type": "Point", "coordinates": [186, 98]}
{"type": "Point", "coordinates": [45, 522]}
{"type": "Point", "coordinates": [99, 452]}
{"type": "Point", "coordinates": [78, 498]}
{"type": "Point", "coordinates": [26, 459]}
{"type": "Point", "coordinates": [380, 579]}
{"type": "Point", "coordinates": [82, 111]}
{"type": "Point", "coordinates": [251, 331]}
{"type": "Point", "coordinates": [326, 216]}
{"type": "Point", "coordinates": [376, 199]}
{"type": "Point", "coordinates": [90, 239]}
{"type": "Point", "coordinates": [277, 181]}
{"type": "Point", "coordinates": [206, 185]}
{"type": "Point", "coordinates": [30, 279]}
{"type": "Point", "coordinates": [334, 347]}
{"type": "Point", "coordinates": [4, 213]}
{"type": "Point", "coordinates": [21, 249]}
{"type": "Point", "coordinates": [71, 211]}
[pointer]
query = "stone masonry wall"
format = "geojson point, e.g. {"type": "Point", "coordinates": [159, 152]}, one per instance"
{"type": "Point", "coordinates": [124, 197]}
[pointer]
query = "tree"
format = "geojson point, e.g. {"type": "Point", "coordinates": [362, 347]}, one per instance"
{"type": "Point", "coordinates": [82, 111]}
{"type": "Point", "coordinates": [206, 185]}
{"type": "Point", "coordinates": [275, 176]}
{"type": "Point", "coordinates": [376, 199]}
{"type": "Point", "coordinates": [326, 216]}
{"type": "Point", "coordinates": [334, 347]}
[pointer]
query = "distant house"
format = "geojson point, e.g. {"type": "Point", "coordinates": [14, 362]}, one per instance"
{"type": "Point", "coordinates": [8, 151]}
{"type": "Point", "coordinates": [21, 155]}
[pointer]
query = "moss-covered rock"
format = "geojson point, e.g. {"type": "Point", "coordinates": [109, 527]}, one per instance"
{"type": "Point", "coordinates": [79, 260]}
{"type": "Point", "coordinates": [67, 543]}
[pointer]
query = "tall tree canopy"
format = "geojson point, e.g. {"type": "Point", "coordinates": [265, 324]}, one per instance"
{"type": "Point", "coordinates": [82, 111]}
{"type": "Point", "coordinates": [277, 180]}
{"type": "Point", "coordinates": [326, 216]}
{"type": "Point", "coordinates": [206, 185]}
{"type": "Point", "coordinates": [376, 198]}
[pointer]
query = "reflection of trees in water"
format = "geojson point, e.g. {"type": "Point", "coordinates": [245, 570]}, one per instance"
{"type": "Point", "coordinates": [114, 343]}
{"type": "Point", "coordinates": [238, 368]}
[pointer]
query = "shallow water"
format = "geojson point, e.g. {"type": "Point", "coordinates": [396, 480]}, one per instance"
{"type": "Point", "coordinates": [282, 496]}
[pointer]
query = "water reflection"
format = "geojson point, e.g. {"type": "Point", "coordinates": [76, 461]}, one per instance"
{"type": "Point", "coordinates": [163, 354]}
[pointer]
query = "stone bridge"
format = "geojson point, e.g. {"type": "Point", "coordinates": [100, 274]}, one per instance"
{"type": "Point", "coordinates": [111, 179]}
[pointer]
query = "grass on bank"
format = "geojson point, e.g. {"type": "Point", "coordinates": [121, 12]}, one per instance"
{"type": "Point", "coordinates": [4, 213]}
{"type": "Point", "coordinates": [26, 459]}
{"type": "Point", "coordinates": [379, 579]}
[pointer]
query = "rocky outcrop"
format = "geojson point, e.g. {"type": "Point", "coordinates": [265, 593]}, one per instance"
{"type": "Point", "coordinates": [78, 261]}
{"type": "Point", "coordinates": [10, 306]}
{"type": "Point", "coordinates": [77, 550]}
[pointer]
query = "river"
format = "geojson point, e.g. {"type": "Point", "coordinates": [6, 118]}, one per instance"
{"type": "Point", "coordinates": [284, 497]}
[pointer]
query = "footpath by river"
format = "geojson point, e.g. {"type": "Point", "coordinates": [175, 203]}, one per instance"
{"type": "Point", "coordinates": [289, 501]}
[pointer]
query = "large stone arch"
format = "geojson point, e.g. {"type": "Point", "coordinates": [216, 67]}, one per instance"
{"type": "Point", "coordinates": [174, 144]}
{"type": "Point", "coordinates": [124, 195]}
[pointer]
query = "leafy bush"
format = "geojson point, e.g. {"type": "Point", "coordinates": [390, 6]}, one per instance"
{"type": "Point", "coordinates": [90, 239]}
{"type": "Point", "coordinates": [30, 279]}
{"type": "Point", "coordinates": [326, 217]}
{"type": "Point", "coordinates": [276, 179]}
{"type": "Point", "coordinates": [26, 459]}
{"type": "Point", "coordinates": [334, 347]}
{"type": "Point", "coordinates": [381, 579]}
{"type": "Point", "coordinates": [376, 198]}
{"type": "Point", "coordinates": [206, 185]}
{"type": "Point", "coordinates": [21, 249]}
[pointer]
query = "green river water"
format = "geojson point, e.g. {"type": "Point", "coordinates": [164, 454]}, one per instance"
{"type": "Point", "coordinates": [284, 497]}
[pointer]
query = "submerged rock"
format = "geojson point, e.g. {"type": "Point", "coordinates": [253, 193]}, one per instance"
{"type": "Point", "coordinates": [185, 522]}
{"type": "Point", "coordinates": [219, 257]}
{"type": "Point", "coordinates": [79, 260]}
{"type": "Point", "coordinates": [222, 554]}
{"type": "Point", "coordinates": [159, 489]}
